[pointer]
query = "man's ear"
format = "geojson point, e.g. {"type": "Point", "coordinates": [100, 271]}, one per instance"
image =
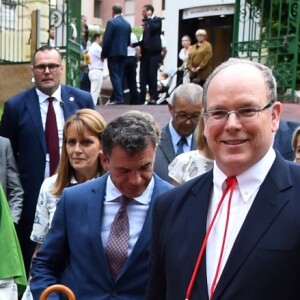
{"type": "Point", "coordinates": [104, 160]}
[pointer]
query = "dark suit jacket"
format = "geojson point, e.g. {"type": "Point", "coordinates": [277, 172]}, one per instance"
{"type": "Point", "coordinates": [22, 124]}
{"type": "Point", "coordinates": [283, 139]}
{"type": "Point", "coordinates": [10, 179]}
{"type": "Point", "coordinates": [151, 42]}
{"type": "Point", "coordinates": [264, 263]}
{"type": "Point", "coordinates": [116, 38]}
{"type": "Point", "coordinates": [75, 237]}
{"type": "Point", "coordinates": [165, 154]}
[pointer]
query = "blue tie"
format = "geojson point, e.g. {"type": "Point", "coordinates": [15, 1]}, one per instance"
{"type": "Point", "coordinates": [180, 145]}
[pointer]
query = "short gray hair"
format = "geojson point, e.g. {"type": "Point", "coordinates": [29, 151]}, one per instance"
{"type": "Point", "coordinates": [132, 133]}
{"type": "Point", "coordinates": [269, 78]}
{"type": "Point", "coordinates": [190, 92]}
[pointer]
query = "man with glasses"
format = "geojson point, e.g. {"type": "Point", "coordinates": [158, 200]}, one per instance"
{"type": "Point", "coordinates": [24, 122]}
{"type": "Point", "coordinates": [178, 135]}
{"type": "Point", "coordinates": [244, 244]}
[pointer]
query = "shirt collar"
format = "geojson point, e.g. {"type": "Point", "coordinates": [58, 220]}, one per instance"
{"type": "Point", "coordinates": [43, 97]}
{"type": "Point", "coordinates": [176, 137]}
{"type": "Point", "coordinates": [250, 180]}
{"type": "Point", "coordinates": [112, 192]}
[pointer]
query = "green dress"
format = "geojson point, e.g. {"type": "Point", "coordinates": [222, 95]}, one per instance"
{"type": "Point", "coordinates": [11, 264]}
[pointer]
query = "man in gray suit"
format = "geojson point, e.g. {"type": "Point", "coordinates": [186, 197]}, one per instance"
{"type": "Point", "coordinates": [178, 135]}
{"type": "Point", "coordinates": [10, 179]}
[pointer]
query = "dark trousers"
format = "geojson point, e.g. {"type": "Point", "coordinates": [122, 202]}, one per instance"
{"type": "Point", "coordinates": [116, 73]}
{"type": "Point", "coordinates": [148, 75]}
{"type": "Point", "coordinates": [130, 78]}
{"type": "Point", "coordinates": [24, 229]}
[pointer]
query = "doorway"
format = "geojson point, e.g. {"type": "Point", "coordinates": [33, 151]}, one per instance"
{"type": "Point", "coordinates": [219, 33]}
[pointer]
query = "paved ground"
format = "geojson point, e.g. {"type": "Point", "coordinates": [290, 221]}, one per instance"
{"type": "Point", "coordinates": [291, 111]}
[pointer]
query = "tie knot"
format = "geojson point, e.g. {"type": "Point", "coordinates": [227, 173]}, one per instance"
{"type": "Point", "coordinates": [124, 200]}
{"type": "Point", "coordinates": [50, 99]}
{"type": "Point", "coordinates": [182, 142]}
{"type": "Point", "coordinates": [231, 181]}
{"type": "Point", "coordinates": [180, 145]}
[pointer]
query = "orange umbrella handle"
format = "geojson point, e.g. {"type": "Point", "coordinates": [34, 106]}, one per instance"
{"type": "Point", "coordinates": [58, 288]}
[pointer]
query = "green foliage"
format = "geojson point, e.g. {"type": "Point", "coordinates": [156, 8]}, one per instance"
{"type": "Point", "coordinates": [138, 31]}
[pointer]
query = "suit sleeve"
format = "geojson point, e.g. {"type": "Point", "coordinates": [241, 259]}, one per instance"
{"type": "Point", "coordinates": [154, 24]}
{"type": "Point", "coordinates": [107, 38]}
{"type": "Point", "coordinates": [53, 255]}
{"type": "Point", "coordinates": [14, 188]}
{"type": "Point", "coordinates": [9, 126]}
{"type": "Point", "coordinates": [84, 99]}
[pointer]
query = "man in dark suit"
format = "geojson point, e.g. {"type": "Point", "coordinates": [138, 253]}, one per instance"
{"type": "Point", "coordinates": [115, 42]}
{"type": "Point", "coordinates": [185, 109]}
{"type": "Point", "coordinates": [249, 238]}
{"type": "Point", "coordinates": [283, 138]}
{"type": "Point", "coordinates": [23, 122]}
{"type": "Point", "coordinates": [87, 213]}
{"type": "Point", "coordinates": [151, 50]}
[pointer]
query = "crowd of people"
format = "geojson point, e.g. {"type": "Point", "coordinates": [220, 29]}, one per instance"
{"type": "Point", "coordinates": [119, 53]}
{"type": "Point", "coordinates": [204, 208]}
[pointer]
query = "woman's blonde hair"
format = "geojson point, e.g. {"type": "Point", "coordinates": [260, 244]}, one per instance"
{"type": "Point", "coordinates": [201, 139]}
{"type": "Point", "coordinates": [84, 120]}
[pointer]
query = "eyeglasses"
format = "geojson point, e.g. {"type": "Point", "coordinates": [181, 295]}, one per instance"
{"type": "Point", "coordinates": [42, 68]}
{"type": "Point", "coordinates": [183, 117]}
{"type": "Point", "coordinates": [243, 114]}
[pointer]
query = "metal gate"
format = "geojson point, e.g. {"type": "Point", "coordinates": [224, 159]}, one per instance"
{"type": "Point", "coordinates": [23, 29]}
{"type": "Point", "coordinates": [267, 31]}
{"type": "Point", "coordinates": [66, 17]}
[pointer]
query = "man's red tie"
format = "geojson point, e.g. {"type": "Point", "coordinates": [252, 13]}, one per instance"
{"type": "Point", "coordinates": [230, 185]}
{"type": "Point", "coordinates": [51, 134]}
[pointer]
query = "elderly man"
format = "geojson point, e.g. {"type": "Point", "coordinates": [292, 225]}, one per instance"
{"type": "Point", "coordinates": [232, 233]}
{"type": "Point", "coordinates": [178, 135]}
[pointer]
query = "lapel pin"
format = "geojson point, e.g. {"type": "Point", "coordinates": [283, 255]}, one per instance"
{"type": "Point", "coordinates": [71, 99]}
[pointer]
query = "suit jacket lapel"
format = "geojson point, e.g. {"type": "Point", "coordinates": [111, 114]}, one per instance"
{"type": "Point", "coordinates": [268, 204]}
{"type": "Point", "coordinates": [95, 206]}
{"type": "Point", "coordinates": [69, 102]}
{"type": "Point", "coordinates": [198, 202]}
{"type": "Point", "coordinates": [166, 145]}
{"type": "Point", "coordinates": [33, 108]}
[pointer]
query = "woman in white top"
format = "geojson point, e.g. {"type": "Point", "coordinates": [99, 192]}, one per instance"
{"type": "Point", "coordinates": [79, 162]}
{"type": "Point", "coordinates": [190, 164]}
{"type": "Point", "coordinates": [183, 55]}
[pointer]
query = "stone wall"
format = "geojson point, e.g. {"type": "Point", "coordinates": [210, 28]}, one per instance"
{"type": "Point", "coordinates": [14, 79]}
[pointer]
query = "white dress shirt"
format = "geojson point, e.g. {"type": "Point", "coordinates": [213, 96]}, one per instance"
{"type": "Point", "coordinates": [137, 211]}
{"type": "Point", "coordinates": [248, 184]}
{"type": "Point", "coordinates": [60, 120]}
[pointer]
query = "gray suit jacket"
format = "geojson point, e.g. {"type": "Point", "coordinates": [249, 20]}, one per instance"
{"type": "Point", "coordinates": [165, 154]}
{"type": "Point", "coordinates": [10, 179]}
